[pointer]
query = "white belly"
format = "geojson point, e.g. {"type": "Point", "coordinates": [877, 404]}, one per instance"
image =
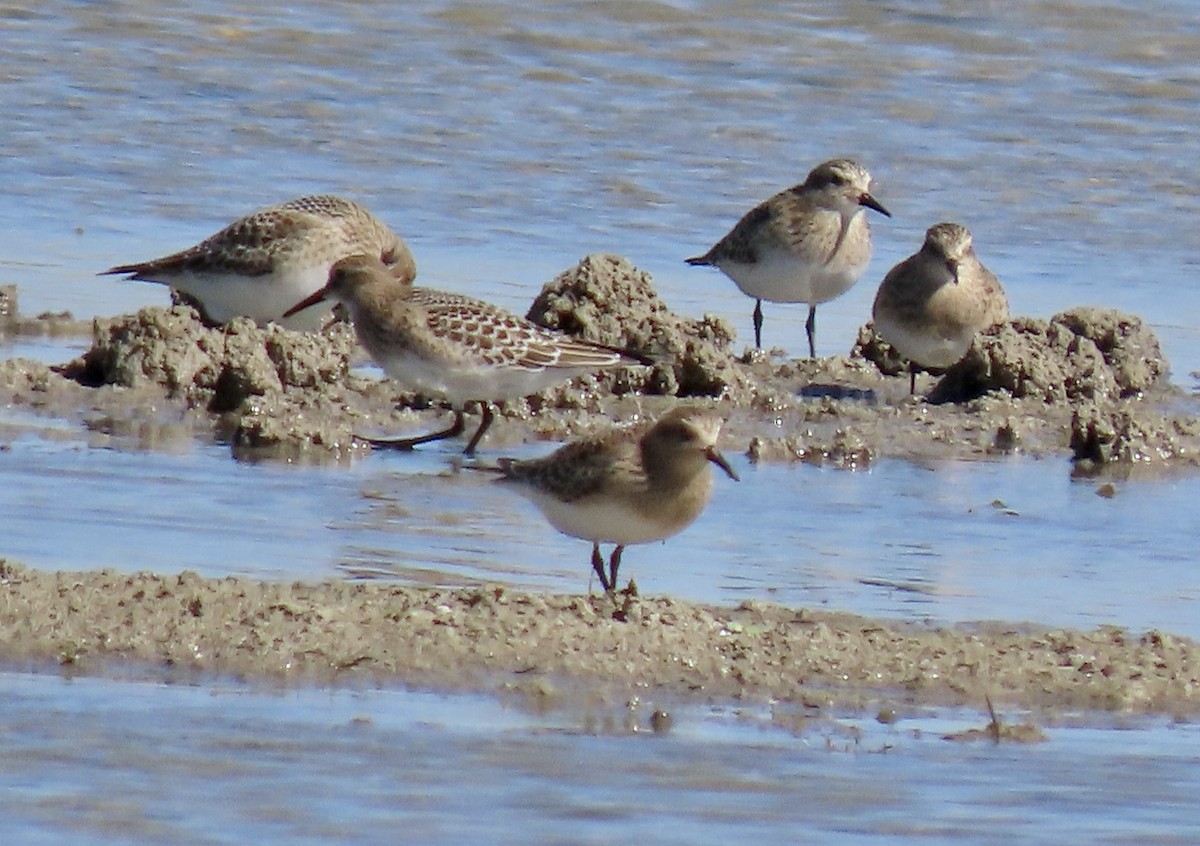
{"type": "Point", "coordinates": [781, 277]}
{"type": "Point", "coordinates": [601, 520]}
{"type": "Point", "coordinates": [261, 298]}
{"type": "Point", "coordinates": [460, 382]}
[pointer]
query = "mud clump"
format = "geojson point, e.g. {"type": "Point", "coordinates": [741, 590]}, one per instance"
{"type": "Point", "coordinates": [1083, 354]}
{"type": "Point", "coordinates": [234, 371]}
{"type": "Point", "coordinates": [213, 368]}
{"type": "Point", "coordinates": [607, 300]}
{"type": "Point", "coordinates": [47, 324]}
{"type": "Point", "coordinates": [1103, 436]}
{"type": "Point", "coordinates": [277, 393]}
{"type": "Point", "coordinates": [1097, 376]}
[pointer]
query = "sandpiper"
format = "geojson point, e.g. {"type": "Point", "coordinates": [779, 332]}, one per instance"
{"type": "Point", "coordinates": [259, 265]}
{"type": "Point", "coordinates": [931, 305]}
{"type": "Point", "coordinates": [628, 486]}
{"type": "Point", "coordinates": [808, 244]}
{"type": "Point", "coordinates": [455, 347]}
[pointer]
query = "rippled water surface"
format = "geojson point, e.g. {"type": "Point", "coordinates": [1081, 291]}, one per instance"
{"type": "Point", "coordinates": [504, 142]}
{"type": "Point", "coordinates": [92, 761]}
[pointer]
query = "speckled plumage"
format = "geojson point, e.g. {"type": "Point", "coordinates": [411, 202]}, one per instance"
{"type": "Point", "coordinates": [807, 244]}
{"type": "Point", "coordinates": [264, 262]}
{"type": "Point", "coordinates": [627, 486]}
{"type": "Point", "coordinates": [931, 305]}
{"type": "Point", "coordinates": [453, 346]}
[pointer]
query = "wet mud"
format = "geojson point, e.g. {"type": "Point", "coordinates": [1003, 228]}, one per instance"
{"type": "Point", "coordinates": [548, 647]}
{"type": "Point", "coordinates": [1090, 382]}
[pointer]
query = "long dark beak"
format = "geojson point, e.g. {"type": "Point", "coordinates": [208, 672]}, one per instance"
{"type": "Point", "coordinates": [871, 203]}
{"type": "Point", "coordinates": [305, 303]}
{"type": "Point", "coordinates": [713, 455]}
{"type": "Point", "coordinates": [952, 266]}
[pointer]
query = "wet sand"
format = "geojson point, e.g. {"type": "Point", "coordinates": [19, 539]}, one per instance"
{"type": "Point", "coordinates": [554, 649]}
{"type": "Point", "coordinates": [1089, 382]}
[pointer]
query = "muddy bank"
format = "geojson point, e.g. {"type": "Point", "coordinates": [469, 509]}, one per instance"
{"type": "Point", "coordinates": [1088, 382]}
{"type": "Point", "coordinates": [494, 639]}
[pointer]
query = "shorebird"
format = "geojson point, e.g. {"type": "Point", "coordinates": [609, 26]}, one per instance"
{"type": "Point", "coordinates": [262, 263]}
{"type": "Point", "coordinates": [628, 486]}
{"type": "Point", "coordinates": [931, 305]}
{"type": "Point", "coordinates": [808, 244]}
{"type": "Point", "coordinates": [455, 347]}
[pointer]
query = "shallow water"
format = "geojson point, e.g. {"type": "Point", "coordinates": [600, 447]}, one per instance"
{"type": "Point", "coordinates": [1013, 539]}
{"type": "Point", "coordinates": [505, 142]}
{"type": "Point", "coordinates": [99, 761]}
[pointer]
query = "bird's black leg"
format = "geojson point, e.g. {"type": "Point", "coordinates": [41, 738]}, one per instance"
{"type": "Point", "coordinates": [483, 427]}
{"type": "Point", "coordinates": [455, 429]}
{"type": "Point", "coordinates": [613, 565]}
{"type": "Point", "coordinates": [598, 566]}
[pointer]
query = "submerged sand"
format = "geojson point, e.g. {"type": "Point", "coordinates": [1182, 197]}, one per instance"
{"type": "Point", "coordinates": [1090, 383]}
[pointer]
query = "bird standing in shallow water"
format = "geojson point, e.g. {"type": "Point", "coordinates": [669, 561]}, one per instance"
{"type": "Point", "coordinates": [627, 486]}
{"type": "Point", "coordinates": [262, 263]}
{"type": "Point", "coordinates": [931, 305]}
{"type": "Point", "coordinates": [808, 244]}
{"type": "Point", "coordinates": [451, 346]}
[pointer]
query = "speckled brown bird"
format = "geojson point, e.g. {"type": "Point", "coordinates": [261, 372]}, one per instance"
{"type": "Point", "coordinates": [808, 244]}
{"type": "Point", "coordinates": [264, 262]}
{"type": "Point", "coordinates": [454, 347]}
{"type": "Point", "coordinates": [931, 305]}
{"type": "Point", "coordinates": [628, 486]}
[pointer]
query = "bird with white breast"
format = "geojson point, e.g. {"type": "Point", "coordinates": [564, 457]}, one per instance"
{"type": "Point", "coordinates": [264, 262]}
{"type": "Point", "coordinates": [808, 244]}
{"type": "Point", "coordinates": [627, 486]}
{"type": "Point", "coordinates": [454, 347]}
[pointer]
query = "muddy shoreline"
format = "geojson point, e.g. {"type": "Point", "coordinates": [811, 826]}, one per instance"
{"type": "Point", "coordinates": [1089, 383]}
{"type": "Point", "coordinates": [556, 649]}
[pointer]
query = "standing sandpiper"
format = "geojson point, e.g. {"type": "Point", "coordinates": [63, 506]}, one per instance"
{"type": "Point", "coordinates": [453, 346]}
{"type": "Point", "coordinates": [259, 265]}
{"type": "Point", "coordinates": [808, 244]}
{"type": "Point", "coordinates": [628, 486]}
{"type": "Point", "coordinates": [931, 305]}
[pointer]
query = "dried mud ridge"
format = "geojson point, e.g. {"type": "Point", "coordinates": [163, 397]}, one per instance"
{"type": "Point", "coordinates": [550, 647]}
{"type": "Point", "coordinates": [1089, 381]}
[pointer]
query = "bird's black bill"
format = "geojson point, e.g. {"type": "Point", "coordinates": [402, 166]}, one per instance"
{"type": "Point", "coordinates": [871, 203]}
{"type": "Point", "coordinates": [305, 303]}
{"type": "Point", "coordinates": [719, 460]}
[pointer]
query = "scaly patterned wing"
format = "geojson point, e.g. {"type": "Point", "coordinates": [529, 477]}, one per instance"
{"type": "Point", "coordinates": [739, 246]}
{"type": "Point", "coordinates": [498, 337]}
{"type": "Point", "coordinates": [802, 227]}
{"type": "Point", "coordinates": [248, 246]}
{"type": "Point", "coordinates": [581, 468]}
